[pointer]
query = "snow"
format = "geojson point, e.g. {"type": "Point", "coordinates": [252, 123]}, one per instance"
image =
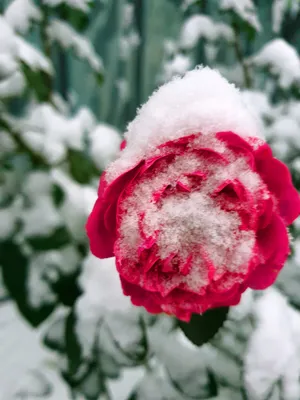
{"type": "Point", "coordinates": [278, 10]}
{"type": "Point", "coordinates": [202, 26]}
{"type": "Point", "coordinates": [12, 86]}
{"type": "Point", "coordinates": [102, 294]}
{"type": "Point", "coordinates": [45, 269]}
{"type": "Point", "coordinates": [77, 204]}
{"type": "Point", "coordinates": [179, 65]}
{"type": "Point", "coordinates": [201, 101]}
{"type": "Point", "coordinates": [33, 57]}
{"type": "Point", "coordinates": [40, 217]}
{"type": "Point", "coordinates": [258, 103]}
{"type": "Point", "coordinates": [21, 13]}
{"type": "Point", "coordinates": [128, 43]}
{"type": "Point", "coordinates": [82, 5]}
{"type": "Point", "coordinates": [105, 144]}
{"type": "Point", "coordinates": [271, 56]}
{"type": "Point", "coordinates": [186, 366]}
{"type": "Point", "coordinates": [245, 9]}
{"type": "Point", "coordinates": [272, 353]}
{"type": "Point", "coordinates": [62, 33]}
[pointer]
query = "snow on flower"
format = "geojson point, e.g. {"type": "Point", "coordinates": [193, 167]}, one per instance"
{"type": "Point", "coordinates": [196, 208]}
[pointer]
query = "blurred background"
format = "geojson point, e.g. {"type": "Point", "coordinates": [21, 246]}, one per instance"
{"type": "Point", "coordinates": [72, 74]}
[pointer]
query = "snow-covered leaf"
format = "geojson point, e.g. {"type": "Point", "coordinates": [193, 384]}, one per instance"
{"type": "Point", "coordinates": [105, 144]}
{"type": "Point", "coordinates": [82, 5]}
{"type": "Point", "coordinates": [20, 13]}
{"type": "Point", "coordinates": [62, 33]}
{"type": "Point", "coordinates": [34, 385]}
{"type": "Point", "coordinates": [271, 56]}
{"type": "Point", "coordinates": [243, 9]}
{"type": "Point", "coordinates": [201, 26]}
{"type": "Point", "coordinates": [186, 367]}
{"type": "Point", "coordinates": [272, 359]}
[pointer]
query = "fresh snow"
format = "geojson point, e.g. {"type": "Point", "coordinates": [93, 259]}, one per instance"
{"type": "Point", "coordinates": [21, 13]}
{"type": "Point", "coordinates": [201, 101]}
{"type": "Point", "coordinates": [202, 26]}
{"type": "Point", "coordinates": [272, 56]}
{"type": "Point", "coordinates": [105, 144]}
{"type": "Point", "coordinates": [273, 353]}
{"type": "Point", "coordinates": [82, 5]}
{"type": "Point", "coordinates": [245, 9]}
{"type": "Point", "coordinates": [62, 33]}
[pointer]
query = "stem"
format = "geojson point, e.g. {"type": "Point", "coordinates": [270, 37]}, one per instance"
{"type": "Point", "coordinates": [240, 57]}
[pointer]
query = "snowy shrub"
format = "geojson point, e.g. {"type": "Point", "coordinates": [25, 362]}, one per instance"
{"type": "Point", "coordinates": [53, 149]}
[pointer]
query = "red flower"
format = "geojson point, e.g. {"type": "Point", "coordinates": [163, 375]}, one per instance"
{"type": "Point", "coordinates": [195, 224]}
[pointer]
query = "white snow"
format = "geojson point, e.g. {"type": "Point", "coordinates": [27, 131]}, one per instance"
{"type": "Point", "coordinates": [102, 294]}
{"type": "Point", "coordinates": [245, 9]}
{"type": "Point", "coordinates": [272, 353]}
{"type": "Point", "coordinates": [12, 86]}
{"type": "Point", "coordinates": [33, 57]}
{"type": "Point", "coordinates": [105, 144]}
{"type": "Point", "coordinates": [21, 13]}
{"type": "Point", "coordinates": [128, 43]}
{"type": "Point", "coordinates": [201, 101]}
{"type": "Point", "coordinates": [40, 217]}
{"type": "Point", "coordinates": [77, 205]}
{"type": "Point", "coordinates": [272, 56]}
{"type": "Point", "coordinates": [202, 26]}
{"type": "Point", "coordinates": [82, 5]}
{"type": "Point", "coordinates": [62, 33]}
{"type": "Point", "coordinates": [179, 65]}
{"type": "Point", "coordinates": [278, 10]}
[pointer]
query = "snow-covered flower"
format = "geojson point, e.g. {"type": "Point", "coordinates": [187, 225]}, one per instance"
{"type": "Point", "coordinates": [202, 214]}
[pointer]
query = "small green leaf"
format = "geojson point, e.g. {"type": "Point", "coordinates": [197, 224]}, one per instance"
{"type": "Point", "coordinates": [58, 195]}
{"type": "Point", "coordinates": [54, 337]}
{"type": "Point", "coordinates": [60, 237]}
{"type": "Point", "coordinates": [73, 348]}
{"type": "Point", "coordinates": [15, 266]}
{"type": "Point", "coordinates": [202, 328]}
{"type": "Point", "coordinates": [81, 166]}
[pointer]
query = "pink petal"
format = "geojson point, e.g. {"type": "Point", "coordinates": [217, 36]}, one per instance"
{"type": "Point", "coordinates": [235, 143]}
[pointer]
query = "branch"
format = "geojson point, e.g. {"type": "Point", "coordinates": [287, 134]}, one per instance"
{"type": "Point", "coordinates": [240, 57]}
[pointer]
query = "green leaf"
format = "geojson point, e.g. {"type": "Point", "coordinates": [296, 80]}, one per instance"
{"type": "Point", "coordinates": [58, 195]}
{"type": "Point", "coordinates": [73, 348]}
{"type": "Point", "coordinates": [202, 328]}
{"type": "Point", "coordinates": [59, 238]}
{"type": "Point", "coordinates": [54, 337]}
{"type": "Point", "coordinates": [15, 265]}
{"type": "Point", "coordinates": [67, 288]}
{"type": "Point", "coordinates": [39, 82]}
{"type": "Point", "coordinates": [81, 166]}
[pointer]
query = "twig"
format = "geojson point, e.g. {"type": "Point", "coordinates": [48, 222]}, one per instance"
{"type": "Point", "coordinates": [240, 57]}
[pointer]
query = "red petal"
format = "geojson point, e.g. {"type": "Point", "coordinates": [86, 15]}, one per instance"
{"type": "Point", "coordinates": [277, 177]}
{"type": "Point", "coordinates": [235, 143]}
{"type": "Point", "coordinates": [273, 243]}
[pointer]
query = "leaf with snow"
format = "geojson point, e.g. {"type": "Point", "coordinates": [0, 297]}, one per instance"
{"type": "Point", "coordinates": [273, 357]}
{"type": "Point", "coordinates": [177, 66]}
{"type": "Point", "coordinates": [244, 10]}
{"type": "Point", "coordinates": [62, 33]}
{"type": "Point", "coordinates": [104, 146]}
{"type": "Point", "coordinates": [186, 366]}
{"type": "Point", "coordinates": [21, 13]}
{"type": "Point", "coordinates": [32, 57]}
{"type": "Point", "coordinates": [271, 56]}
{"type": "Point", "coordinates": [82, 5]}
{"type": "Point", "coordinates": [201, 26]}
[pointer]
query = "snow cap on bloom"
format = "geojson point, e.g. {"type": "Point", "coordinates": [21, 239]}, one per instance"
{"type": "Point", "coordinates": [202, 101]}
{"type": "Point", "coordinates": [196, 207]}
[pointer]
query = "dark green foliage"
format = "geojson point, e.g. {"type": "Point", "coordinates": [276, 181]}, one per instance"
{"type": "Point", "coordinates": [202, 328]}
